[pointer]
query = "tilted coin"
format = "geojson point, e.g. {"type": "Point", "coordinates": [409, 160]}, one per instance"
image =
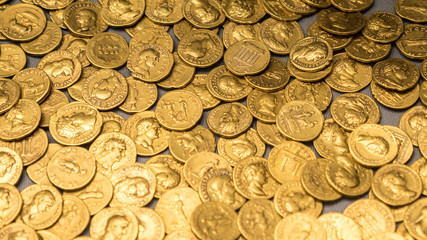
{"type": "Point", "coordinates": [348, 75]}
{"type": "Point", "coordinates": [317, 93]}
{"type": "Point", "coordinates": [83, 18]}
{"type": "Point", "coordinates": [202, 14]}
{"type": "Point", "coordinates": [420, 167]}
{"type": "Point", "coordinates": [269, 133]}
{"type": "Point", "coordinates": [50, 106]}
{"type": "Point", "coordinates": [10, 94]}
{"type": "Point", "coordinates": [57, 16]}
{"type": "Point", "coordinates": [134, 186]}
{"type": "Point", "coordinates": [144, 129]}
{"type": "Point", "coordinates": [416, 219]}
{"type": "Point", "coordinates": [257, 219]}
{"type": "Point", "coordinates": [353, 109]}
{"type": "Point", "coordinates": [214, 220]}
{"type": "Point", "coordinates": [414, 11]}
{"type": "Point", "coordinates": [18, 230]}
{"type": "Point", "coordinates": [111, 122]}
{"type": "Point", "coordinates": [107, 50]}
{"type": "Point", "coordinates": [35, 84]}
{"type": "Point", "coordinates": [318, 3]}
{"type": "Point", "coordinates": [141, 96]}
{"type": "Point", "coordinates": [247, 57]}
{"type": "Point", "coordinates": [181, 74]}
{"type": "Point", "coordinates": [150, 224]}
{"type": "Point", "coordinates": [75, 90]}
{"type": "Point", "coordinates": [11, 203]}
{"type": "Point", "coordinates": [404, 144]}
{"type": "Point", "coordinates": [396, 74]}
{"type": "Point", "coordinates": [412, 42]}
{"type": "Point", "coordinates": [77, 46]}
{"type": "Point", "coordinates": [235, 32]}
{"type": "Point", "coordinates": [62, 67]}
{"type": "Point", "coordinates": [423, 69]}
{"type": "Point", "coordinates": [114, 222]}
{"type": "Point", "coordinates": [145, 23]}
{"type": "Point", "coordinates": [46, 42]}
{"type": "Point", "coordinates": [164, 12]}
{"type": "Point", "coordinates": [198, 86]}
{"type": "Point", "coordinates": [152, 36]}
{"type": "Point", "coordinates": [339, 226]}
{"type": "Point", "coordinates": [337, 42]}
{"type": "Point", "coordinates": [2, 8]}
{"type": "Point", "coordinates": [383, 27]}
{"type": "Point", "coordinates": [278, 11]}
{"type": "Point", "coordinates": [183, 27]}
{"type": "Point", "coordinates": [340, 23]}
{"type": "Point", "coordinates": [395, 99]}
{"type": "Point", "coordinates": [229, 120]}
{"type": "Point", "coordinates": [279, 36]}
{"type": "Point", "coordinates": [120, 14]}
{"type": "Point", "coordinates": [291, 198]}
{"type": "Point", "coordinates": [51, 5]}
{"type": "Point", "coordinates": [243, 12]}
{"type": "Point", "coordinates": [169, 173]}
{"type": "Point", "coordinates": [201, 48]}
{"type": "Point", "coordinates": [364, 50]}
{"type": "Point", "coordinates": [351, 5]}
{"type": "Point", "coordinates": [412, 121]}
{"type": "Point", "coordinates": [253, 180]}
{"type": "Point", "coordinates": [42, 206]}
{"type": "Point", "coordinates": [397, 184]}
{"type": "Point", "coordinates": [76, 123]}
{"type": "Point", "coordinates": [311, 54]}
{"type": "Point", "coordinates": [300, 225]}
{"type": "Point", "coordinates": [12, 59]}
{"type": "Point", "coordinates": [274, 78]}
{"type": "Point", "coordinates": [20, 121]}
{"type": "Point", "coordinates": [308, 76]}
{"type": "Point", "coordinates": [332, 141]}
{"type": "Point", "coordinates": [299, 7]}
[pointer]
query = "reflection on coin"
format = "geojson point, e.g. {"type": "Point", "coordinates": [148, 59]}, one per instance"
{"type": "Point", "coordinates": [35, 84]}
{"type": "Point", "coordinates": [46, 42]}
{"type": "Point", "coordinates": [337, 42]}
{"type": "Point", "coordinates": [202, 14]}
{"type": "Point", "coordinates": [311, 54]}
{"type": "Point", "coordinates": [114, 222]}
{"type": "Point", "coordinates": [383, 27]}
{"type": "Point", "coordinates": [420, 167]}
{"type": "Point", "coordinates": [338, 226]}
{"type": "Point", "coordinates": [411, 44]}
{"type": "Point", "coordinates": [364, 50]}
{"type": "Point", "coordinates": [415, 219]}
{"type": "Point", "coordinates": [243, 12]}
{"type": "Point", "coordinates": [340, 23]}
{"type": "Point", "coordinates": [412, 121]}
{"type": "Point", "coordinates": [275, 76]}
{"type": "Point", "coordinates": [150, 224]}
{"type": "Point", "coordinates": [318, 93]}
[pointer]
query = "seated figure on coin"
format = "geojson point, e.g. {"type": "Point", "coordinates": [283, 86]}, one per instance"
{"type": "Point", "coordinates": [230, 84]}
{"type": "Point", "coordinates": [24, 22]}
{"type": "Point", "coordinates": [421, 223]}
{"type": "Point", "coordinates": [86, 19]}
{"type": "Point", "coordinates": [256, 174]}
{"type": "Point", "coordinates": [374, 144]}
{"type": "Point", "coordinates": [147, 60]}
{"type": "Point", "coordinates": [395, 73]}
{"type": "Point", "coordinates": [123, 9]}
{"type": "Point", "coordinates": [164, 8]}
{"type": "Point", "coordinates": [104, 88]}
{"type": "Point", "coordinates": [40, 205]}
{"type": "Point", "coordinates": [240, 8]}
{"type": "Point", "coordinates": [203, 11]}
{"type": "Point", "coordinates": [298, 202]}
{"type": "Point", "coordinates": [6, 164]}
{"type": "Point", "coordinates": [347, 174]}
{"type": "Point", "coordinates": [242, 147]}
{"type": "Point", "coordinates": [199, 47]}
{"type": "Point", "coordinates": [229, 120]}
{"type": "Point", "coordinates": [110, 154]}
{"type": "Point", "coordinates": [220, 188]}
{"type": "Point", "coordinates": [335, 139]}
{"type": "Point", "coordinates": [76, 124]}
{"type": "Point", "coordinates": [77, 47]}
{"type": "Point", "coordinates": [178, 110]}
{"type": "Point", "coordinates": [64, 67]}
{"type": "Point", "coordinates": [147, 132]}
{"type": "Point", "coordinates": [15, 119]}
{"type": "Point", "coordinates": [132, 187]}
{"type": "Point", "coordinates": [116, 228]}
{"type": "Point", "coordinates": [166, 177]}
{"type": "Point", "coordinates": [344, 72]}
{"type": "Point", "coordinates": [395, 183]}
{"type": "Point", "coordinates": [311, 52]}
{"type": "Point", "coordinates": [192, 142]}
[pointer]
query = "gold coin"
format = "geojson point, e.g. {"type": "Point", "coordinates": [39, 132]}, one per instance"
{"type": "Point", "coordinates": [62, 67]}
{"type": "Point", "coordinates": [340, 23]}
{"type": "Point", "coordinates": [77, 46]}
{"type": "Point", "coordinates": [141, 96]}
{"type": "Point", "coordinates": [300, 121]}
{"type": "Point", "coordinates": [423, 69]}
{"type": "Point", "coordinates": [50, 106]}
{"type": "Point", "coordinates": [202, 14]}
{"type": "Point", "coordinates": [169, 173]}
{"type": "Point", "coordinates": [299, 7]}
{"type": "Point", "coordinates": [338, 226]}
{"type": "Point", "coordinates": [51, 5]}
{"type": "Point", "coordinates": [224, 85]}
{"type": "Point", "coordinates": [348, 75]}
{"type": "Point", "coordinates": [107, 50]}
{"type": "Point", "coordinates": [200, 163]}
{"type": "Point", "coordinates": [404, 144]}
{"type": "Point", "coordinates": [287, 159]}
{"type": "Point", "coordinates": [150, 62]}
{"type": "Point", "coordinates": [229, 120]}
{"type": "Point", "coordinates": [314, 181]}
{"type": "Point", "coordinates": [10, 94]}
{"type": "Point", "coordinates": [114, 222]}
{"type": "Point", "coordinates": [291, 198]}
{"type": "Point", "coordinates": [35, 84]}
{"type": "Point", "coordinates": [348, 177]}
{"type": "Point", "coordinates": [111, 122]}
{"type": "Point", "coordinates": [308, 76]}
{"type": "Point", "coordinates": [71, 168]}
{"type": "Point", "coordinates": [74, 219]}
{"type": "Point", "coordinates": [111, 151]}
{"type": "Point", "coordinates": [83, 18]}
{"type": "Point", "coordinates": [300, 225]}
{"type": "Point", "coordinates": [247, 57]}
{"type": "Point", "coordinates": [183, 27]}
{"type": "Point", "coordinates": [420, 167]}
{"type": "Point", "coordinates": [42, 206]}
{"type": "Point", "coordinates": [269, 133]}
{"type": "Point", "coordinates": [20, 121]}
{"type": "Point", "coordinates": [352, 6]}
{"type": "Point", "coordinates": [243, 12]}
{"type": "Point", "coordinates": [183, 145]}
{"type": "Point", "coordinates": [46, 235]}
{"type": "Point", "coordinates": [397, 184]}
{"type": "Point", "coordinates": [18, 230]}
{"type": "Point", "coordinates": [372, 216]}
{"type": "Point", "coordinates": [134, 186]}
{"type": "Point", "coordinates": [337, 42]}
{"type": "Point", "coordinates": [11, 203]}
{"type": "Point", "coordinates": [164, 12]}
{"type": "Point", "coordinates": [280, 36]}
{"type": "Point", "coordinates": [46, 42]}
{"type": "Point", "coordinates": [274, 78]}
{"type": "Point", "coordinates": [311, 54]}
{"type": "Point", "coordinates": [396, 74]}
{"type": "Point", "coordinates": [413, 11]}
{"type": "Point", "coordinates": [96, 195]}
{"type": "Point", "coordinates": [201, 48]}
{"type": "Point", "coordinates": [144, 129]}
{"type": "Point", "coordinates": [175, 208]}
{"type": "Point", "coordinates": [13, 59]}
{"type": "Point", "coordinates": [2, 8]}
{"type": "Point", "coordinates": [415, 219]}
{"type": "Point", "coordinates": [353, 109]}
{"type": "Point", "coordinates": [181, 75]}
{"type": "Point", "coordinates": [234, 32]}
{"type": "Point", "coordinates": [332, 141]}
{"type": "Point", "coordinates": [318, 93]}
{"type": "Point", "coordinates": [245, 145]}
{"type": "Point", "coordinates": [150, 224]}
{"type": "Point", "coordinates": [412, 121]}
{"type": "Point", "coordinates": [402, 231]}
{"type": "Point", "coordinates": [84, 237]}
{"type": "Point", "coordinates": [105, 89]}
{"type": "Point", "coordinates": [372, 145]}
{"type": "Point", "coordinates": [278, 11]}
{"type": "Point", "coordinates": [145, 23]}
{"type": "Point", "coordinates": [216, 185]}
{"type": "Point", "coordinates": [257, 219]}
{"type": "Point", "coordinates": [253, 180]}
{"type": "Point", "coordinates": [214, 220]}
{"type": "Point", "coordinates": [395, 99]}
{"type": "Point", "coordinates": [76, 123]}
{"type": "Point", "coordinates": [179, 110]}
{"type": "Point", "coordinates": [152, 36]}
{"type": "Point", "coordinates": [181, 235]}
{"type": "Point", "coordinates": [364, 50]}
{"type": "Point", "coordinates": [423, 92]}
{"type": "Point", "coordinates": [397, 211]}
{"type": "Point", "coordinates": [388, 236]}
{"type": "Point", "coordinates": [75, 90]}
{"type": "Point", "coordinates": [122, 14]}
{"type": "Point", "coordinates": [198, 86]}
{"type": "Point", "coordinates": [22, 22]}
{"type": "Point", "coordinates": [411, 43]}
{"type": "Point", "coordinates": [383, 27]}
{"type": "Point", "coordinates": [30, 148]}
{"type": "Point", "coordinates": [318, 3]}
{"type": "Point", "coordinates": [57, 16]}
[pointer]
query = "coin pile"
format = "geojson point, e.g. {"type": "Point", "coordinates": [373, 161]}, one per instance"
{"type": "Point", "coordinates": [196, 178]}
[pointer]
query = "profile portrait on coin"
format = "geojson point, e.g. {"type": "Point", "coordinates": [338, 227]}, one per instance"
{"type": "Point", "coordinates": [221, 189]}
{"type": "Point", "coordinates": [301, 231]}
{"type": "Point", "coordinates": [199, 47]}
{"type": "Point", "coordinates": [164, 8]}
{"type": "Point", "coordinates": [256, 174]}
{"type": "Point", "coordinates": [332, 133]}
{"type": "Point", "coordinates": [282, 34]}
{"type": "Point", "coordinates": [5, 200]}
{"type": "Point", "coordinates": [242, 32]}
{"type": "Point", "coordinates": [112, 153]}
{"type": "Point", "coordinates": [64, 67]}
{"type": "Point", "coordinates": [123, 9]}
{"type": "Point", "coordinates": [395, 183]}
{"type": "Point", "coordinates": [166, 176]}
{"type": "Point", "coordinates": [230, 84]}
{"type": "Point", "coordinates": [380, 26]}
{"type": "Point", "coordinates": [6, 164]}
{"type": "Point", "coordinates": [76, 124]}
{"type": "Point", "coordinates": [116, 228]}
{"type": "Point", "coordinates": [229, 119]}
{"type": "Point", "coordinates": [421, 223]}
{"type": "Point", "coordinates": [86, 20]}
{"type": "Point", "coordinates": [204, 12]}
{"type": "Point", "coordinates": [374, 144]}
{"type": "Point", "coordinates": [16, 120]}
{"type": "Point", "coordinates": [4, 96]}
{"type": "Point", "coordinates": [147, 60]}
{"type": "Point", "coordinates": [267, 104]}
{"type": "Point", "coordinates": [240, 8]}
{"type": "Point", "coordinates": [347, 174]}
{"type": "Point", "coordinates": [395, 73]}
{"type": "Point", "coordinates": [147, 132]}
{"type": "Point", "coordinates": [111, 126]}
{"type": "Point", "coordinates": [242, 147]}
{"type": "Point", "coordinates": [104, 88]}
{"type": "Point", "coordinates": [131, 187]}
{"type": "Point", "coordinates": [311, 52]}
{"type": "Point", "coordinates": [298, 202]}
{"type": "Point", "coordinates": [41, 203]}
{"type": "Point", "coordinates": [344, 72]}
{"type": "Point", "coordinates": [24, 22]}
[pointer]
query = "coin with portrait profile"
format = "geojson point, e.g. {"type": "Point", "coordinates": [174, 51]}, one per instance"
{"type": "Point", "coordinates": [181, 75]}
{"type": "Point", "coordinates": [99, 50]}
{"type": "Point", "coordinates": [340, 23]}
{"type": "Point", "coordinates": [164, 12]}
{"type": "Point", "coordinates": [279, 36]}
{"type": "Point", "coordinates": [395, 99]}
{"type": "Point", "coordinates": [383, 27]}
{"type": "Point", "coordinates": [13, 59]}
{"type": "Point", "coordinates": [150, 224]}
{"type": "Point", "coordinates": [411, 43]}
{"type": "Point", "coordinates": [274, 78]}
{"type": "Point", "coordinates": [75, 90]}
{"type": "Point", "coordinates": [144, 23]}
{"type": "Point", "coordinates": [12, 166]}
{"type": "Point", "coordinates": [299, 225]}
{"type": "Point", "coordinates": [18, 229]}
{"type": "Point", "coordinates": [57, 16]}
{"type": "Point", "coordinates": [299, 7]}
{"type": "Point", "coordinates": [405, 148]}
{"type": "Point", "coordinates": [337, 42]}
{"type": "Point", "coordinates": [351, 5]}
{"type": "Point", "coordinates": [77, 46]}
{"type": "Point", "coordinates": [245, 12]}
{"type": "Point", "coordinates": [332, 141]}
{"type": "Point", "coordinates": [141, 96]}
{"type": "Point", "coordinates": [317, 93]}
{"type": "Point", "coordinates": [35, 84]}
{"type": "Point", "coordinates": [413, 11]}
{"type": "Point", "coordinates": [397, 211]}
{"type": "Point", "coordinates": [152, 36]}
{"type": "Point", "coordinates": [366, 51]}
{"type": "Point", "coordinates": [50, 106]}
{"type": "Point", "coordinates": [396, 74]}
{"type": "Point", "coordinates": [269, 133]}
{"type": "Point", "coordinates": [104, 224]}
{"type": "Point", "coordinates": [83, 18]}
{"type": "Point", "coordinates": [229, 120]}
{"type": "Point", "coordinates": [278, 11]}
{"type": "Point", "coordinates": [202, 13]}
{"type": "Point", "coordinates": [265, 105]}
{"type": "Point", "coordinates": [415, 219]}
{"type": "Point", "coordinates": [10, 202]}
{"type": "Point", "coordinates": [10, 94]}
{"type": "Point", "coordinates": [235, 32]}
{"type": "Point", "coordinates": [183, 27]}
{"type": "Point", "coordinates": [311, 54]}
{"type": "Point", "coordinates": [198, 86]}
{"type": "Point", "coordinates": [420, 167]}
{"type": "Point", "coordinates": [119, 13]}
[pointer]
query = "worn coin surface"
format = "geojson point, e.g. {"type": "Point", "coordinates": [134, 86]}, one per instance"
{"type": "Point", "coordinates": [396, 74]}
{"type": "Point", "coordinates": [243, 12]}
{"type": "Point", "coordinates": [415, 219]}
{"type": "Point", "coordinates": [141, 96]}
{"type": "Point", "coordinates": [198, 86]}
{"type": "Point", "coordinates": [202, 14]}
{"type": "Point", "coordinates": [235, 32]}
{"type": "Point", "coordinates": [83, 18]}
{"type": "Point", "coordinates": [332, 141]}
{"type": "Point", "coordinates": [340, 23]}
{"type": "Point", "coordinates": [317, 93]}
{"type": "Point", "coordinates": [412, 121]}
{"type": "Point", "coordinates": [18, 229]}
{"type": "Point", "coordinates": [12, 59]}
{"type": "Point", "coordinates": [107, 50]}
{"type": "Point", "coordinates": [10, 94]}
{"type": "Point", "coordinates": [122, 13]}
{"type": "Point", "coordinates": [413, 11]}
{"type": "Point", "coordinates": [229, 120]}
{"type": "Point", "coordinates": [300, 225]}
{"type": "Point", "coordinates": [274, 78]}
{"type": "Point", "coordinates": [364, 50]}
{"type": "Point", "coordinates": [311, 54]}
{"type": "Point", "coordinates": [265, 105]}
{"type": "Point", "coordinates": [49, 40]}
{"type": "Point", "coordinates": [411, 43]}
{"type": "Point", "coordinates": [337, 42]}
{"type": "Point", "coordinates": [12, 166]}
{"type": "Point", "coordinates": [112, 222]}
{"type": "Point", "coordinates": [11, 203]}
{"type": "Point", "coordinates": [383, 27]}
{"type": "Point", "coordinates": [279, 36]}
{"type": "Point", "coordinates": [34, 83]}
